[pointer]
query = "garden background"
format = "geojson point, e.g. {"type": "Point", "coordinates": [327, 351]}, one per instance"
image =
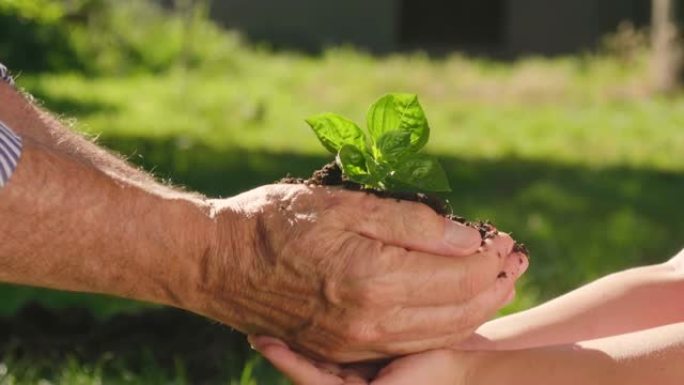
{"type": "Point", "coordinates": [581, 156]}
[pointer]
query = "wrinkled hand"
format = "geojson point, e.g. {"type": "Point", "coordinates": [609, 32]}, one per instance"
{"type": "Point", "coordinates": [346, 276]}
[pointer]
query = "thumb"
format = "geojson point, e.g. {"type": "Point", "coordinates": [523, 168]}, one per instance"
{"type": "Point", "coordinates": [414, 226]}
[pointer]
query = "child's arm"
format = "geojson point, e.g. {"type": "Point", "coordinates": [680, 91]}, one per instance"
{"type": "Point", "coordinates": [651, 356]}
{"type": "Point", "coordinates": [631, 300]}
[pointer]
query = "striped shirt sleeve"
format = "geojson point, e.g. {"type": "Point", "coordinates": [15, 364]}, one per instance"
{"type": "Point", "coordinates": [10, 151]}
{"type": "Point", "coordinates": [5, 75]}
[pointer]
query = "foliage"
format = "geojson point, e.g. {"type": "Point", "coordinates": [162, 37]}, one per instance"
{"type": "Point", "coordinates": [388, 159]}
{"type": "Point", "coordinates": [571, 154]}
{"type": "Point", "coordinates": [110, 369]}
{"type": "Point", "coordinates": [33, 37]}
{"type": "Point", "coordinates": [36, 10]}
{"type": "Point", "coordinates": [125, 36]}
{"type": "Point", "coordinates": [113, 37]}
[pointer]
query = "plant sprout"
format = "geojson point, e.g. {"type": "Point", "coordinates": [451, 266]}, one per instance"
{"type": "Point", "coordinates": [389, 158]}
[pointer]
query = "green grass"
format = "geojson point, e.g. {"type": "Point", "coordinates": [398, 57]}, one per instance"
{"type": "Point", "coordinates": [573, 155]}
{"type": "Point", "coordinates": [108, 371]}
{"type": "Point", "coordinates": [579, 110]}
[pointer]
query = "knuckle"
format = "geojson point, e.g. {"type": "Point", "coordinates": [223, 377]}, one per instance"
{"type": "Point", "coordinates": [366, 280]}
{"type": "Point", "coordinates": [372, 293]}
{"type": "Point", "coordinates": [332, 291]}
{"type": "Point", "coordinates": [366, 297]}
{"type": "Point", "coordinates": [466, 320]}
{"type": "Point", "coordinates": [375, 259]}
{"type": "Point", "coordinates": [359, 333]}
{"type": "Point", "coordinates": [361, 211]}
{"type": "Point", "coordinates": [391, 255]}
{"type": "Point", "coordinates": [417, 221]}
{"type": "Point", "coordinates": [423, 213]}
{"type": "Point", "coordinates": [363, 259]}
{"type": "Point", "coordinates": [468, 284]}
{"type": "Point", "coordinates": [369, 296]}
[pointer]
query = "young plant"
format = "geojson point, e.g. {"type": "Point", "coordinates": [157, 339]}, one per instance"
{"type": "Point", "coordinates": [389, 158]}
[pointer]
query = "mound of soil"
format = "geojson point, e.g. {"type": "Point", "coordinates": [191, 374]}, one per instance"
{"type": "Point", "coordinates": [331, 175]}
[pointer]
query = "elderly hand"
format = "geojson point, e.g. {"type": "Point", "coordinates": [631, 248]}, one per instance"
{"type": "Point", "coordinates": [443, 366]}
{"type": "Point", "coordinates": [340, 275]}
{"type": "Point", "coordinates": [346, 276]}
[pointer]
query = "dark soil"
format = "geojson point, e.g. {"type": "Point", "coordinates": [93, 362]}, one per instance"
{"type": "Point", "coordinates": [331, 175]}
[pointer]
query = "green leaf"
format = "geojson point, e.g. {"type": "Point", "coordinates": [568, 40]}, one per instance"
{"type": "Point", "coordinates": [422, 172]}
{"type": "Point", "coordinates": [352, 161]}
{"type": "Point", "coordinates": [399, 112]}
{"type": "Point", "coordinates": [393, 145]}
{"type": "Point", "coordinates": [334, 131]}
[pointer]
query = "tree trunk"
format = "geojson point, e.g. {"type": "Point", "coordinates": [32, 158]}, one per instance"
{"type": "Point", "coordinates": [666, 58]}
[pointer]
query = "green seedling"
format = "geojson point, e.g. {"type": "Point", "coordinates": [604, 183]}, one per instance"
{"type": "Point", "coordinates": [389, 158]}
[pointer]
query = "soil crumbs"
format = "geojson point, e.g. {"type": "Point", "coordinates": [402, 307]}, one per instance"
{"type": "Point", "coordinates": [331, 175]}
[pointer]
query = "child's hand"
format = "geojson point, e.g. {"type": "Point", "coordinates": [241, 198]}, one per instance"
{"type": "Point", "coordinates": [437, 367]}
{"type": "Point", "coordinates": [304, 371]}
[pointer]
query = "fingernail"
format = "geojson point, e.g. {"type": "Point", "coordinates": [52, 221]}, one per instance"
{"type": "Point", "coordinates": [461, 236]}
{"type": "Point", "coordinates": [253, 342]}
{"type": "Point", "coordinates": [261, 342]}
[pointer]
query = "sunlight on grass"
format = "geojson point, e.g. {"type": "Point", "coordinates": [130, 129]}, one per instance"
{"type": "Point", "coordinates": [591, 111]}
{"type": "Point", "coordinates": [580, 110]}
{"type": "Point", "coordinates": [574, 155]}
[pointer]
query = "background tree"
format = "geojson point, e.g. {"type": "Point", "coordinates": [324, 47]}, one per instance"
{"type": "Point", "coordinates": [666, 65]}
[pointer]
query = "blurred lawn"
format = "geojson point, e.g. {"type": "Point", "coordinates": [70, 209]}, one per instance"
{"type": "Point", "coordinates": [573, 155]}
{"type": "Point", "coordinates": [584, 111]}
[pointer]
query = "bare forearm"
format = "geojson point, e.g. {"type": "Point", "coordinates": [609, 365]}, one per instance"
{"type": "Point", "coordinates": [77, 218]}
{"type": "Point", "coordinates": [29, 120]}
{"type": "Point", "coordinates": [617, 304]}
{"type": "Point", "coordinates": [652, 356]}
